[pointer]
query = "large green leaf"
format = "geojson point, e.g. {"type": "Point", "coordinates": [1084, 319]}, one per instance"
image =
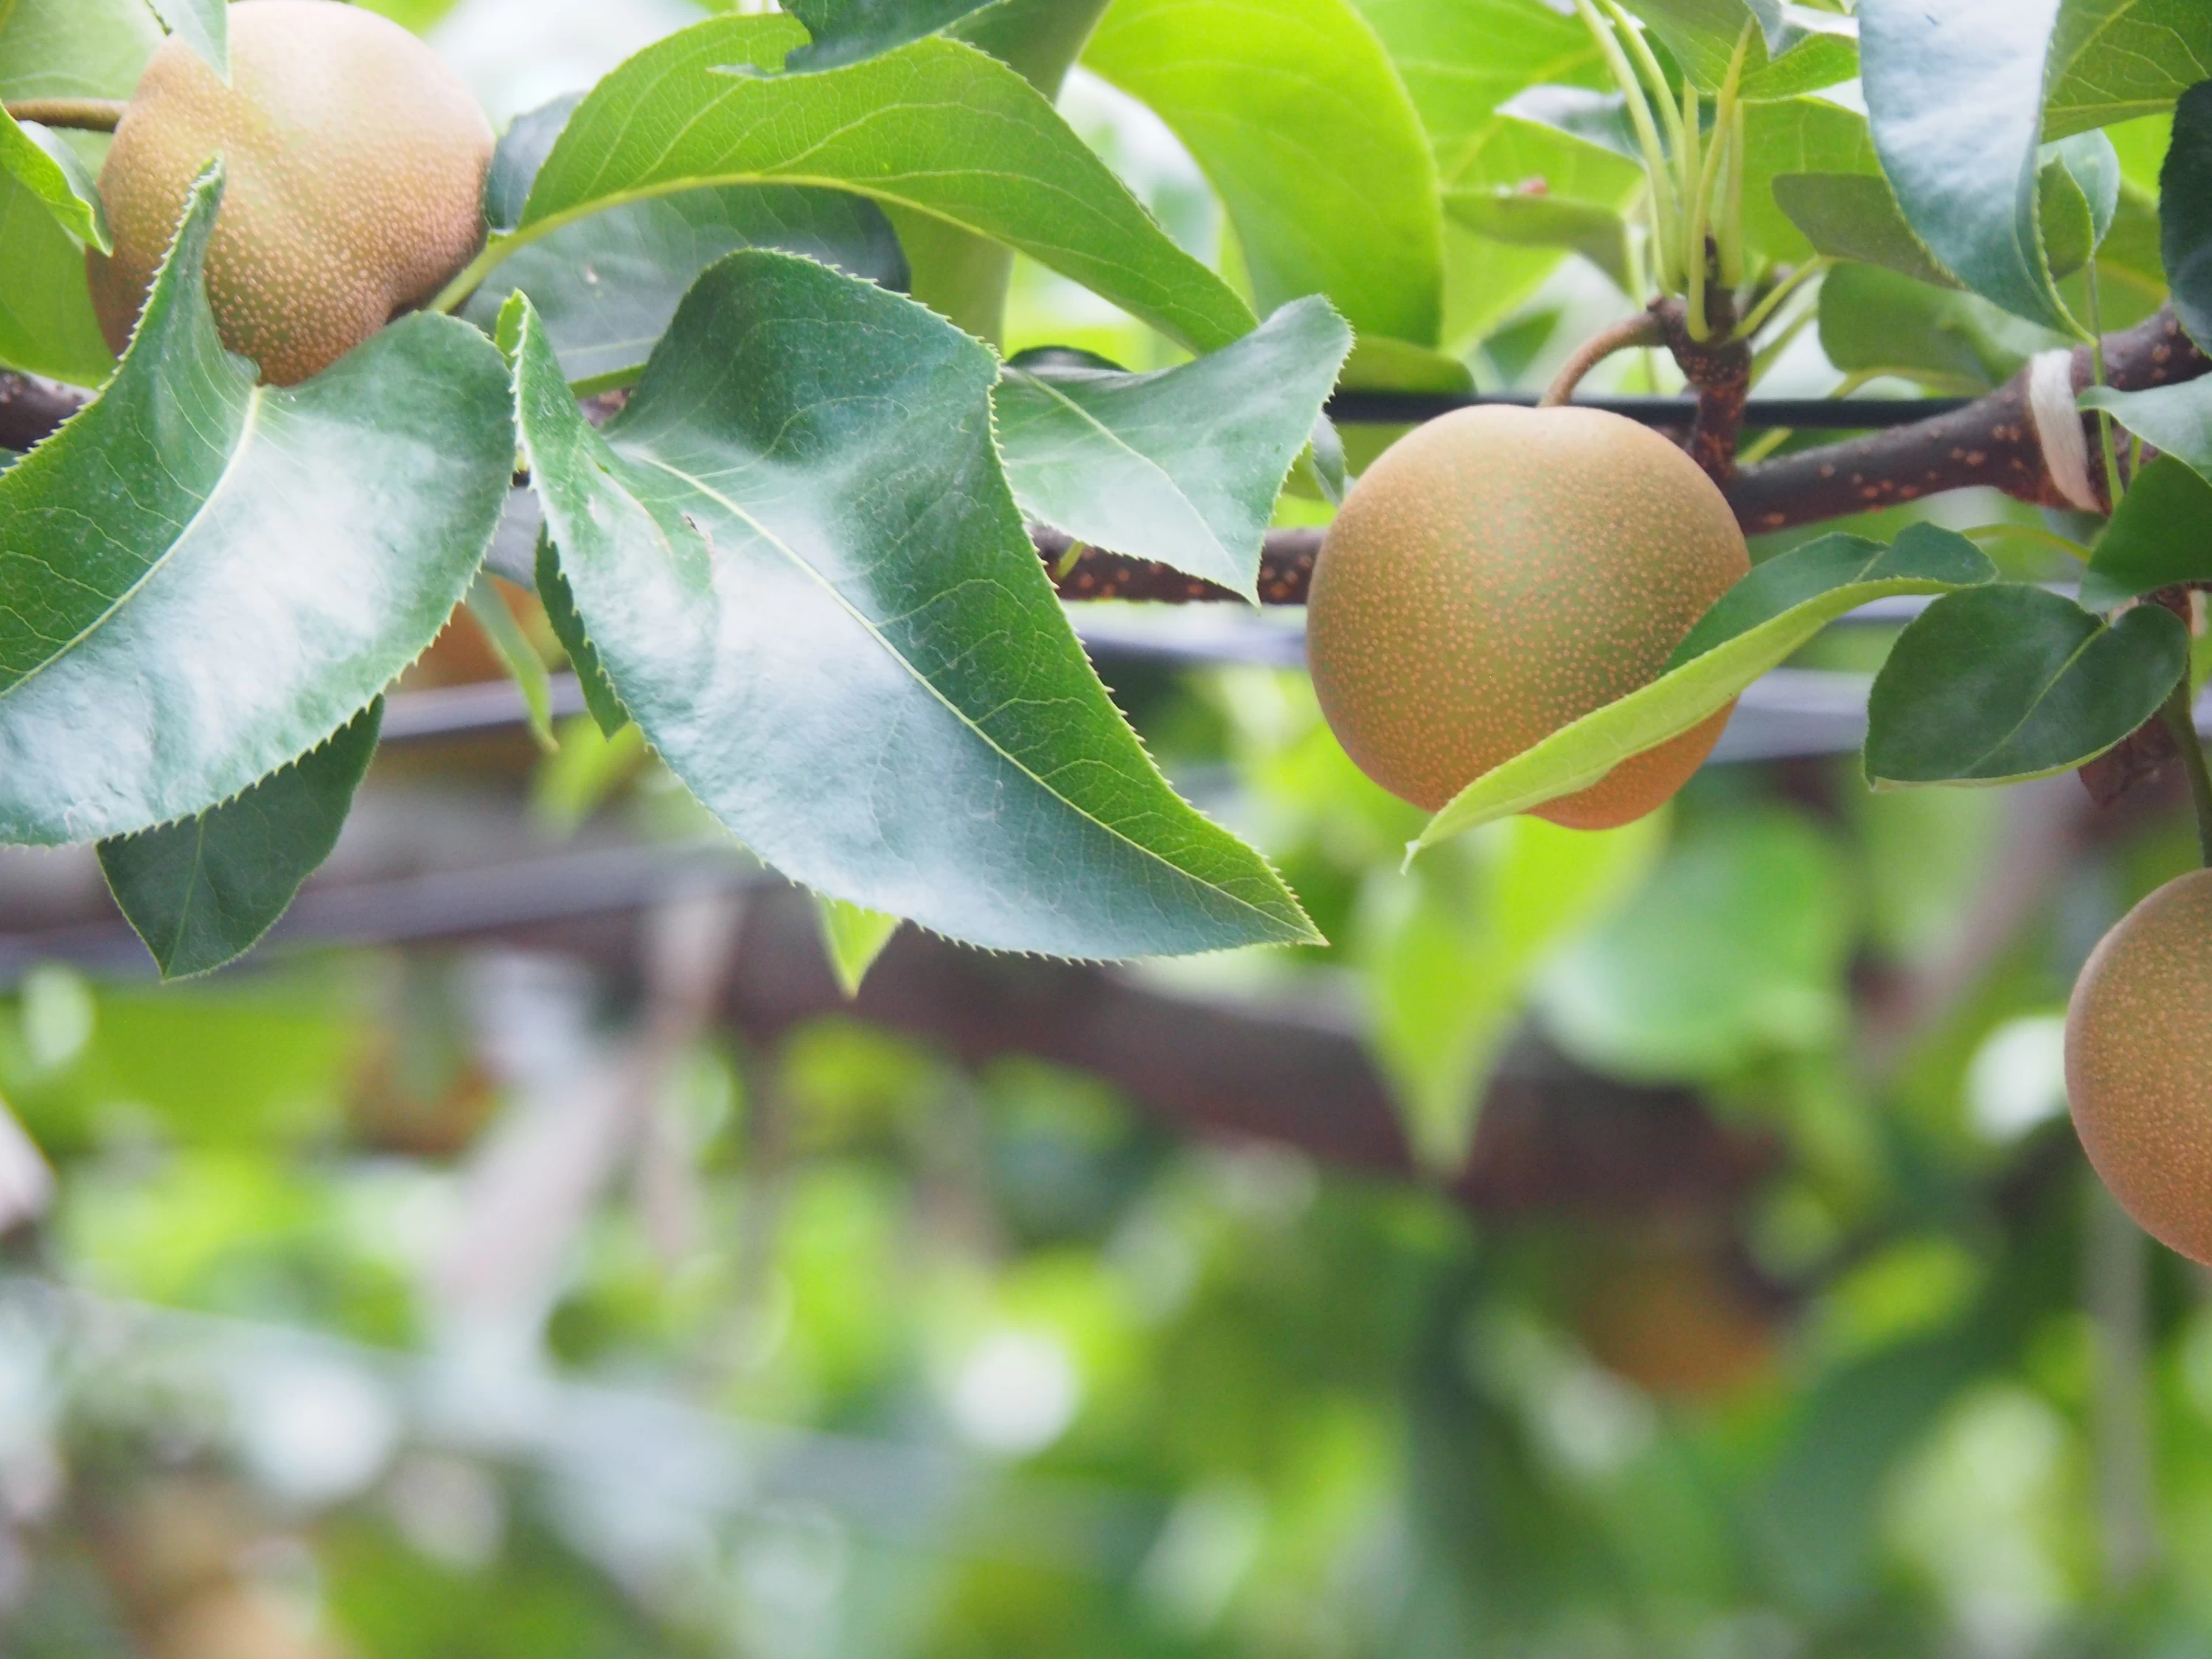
{"type": "Point", "coordinates": [2184, 193]}
{"type": "Point", "coordinates": [1790, 49]}
{"type": "Point", "coordinates": [521, 150]}
{"type": "Point", "coordinates": [266, 559]}
{"type": "Point", "coordinates": [39, 162]}
{"type": "Point", "coordinates": [605, 286]}
{"type": "Point", "coordinates": [1295, 114]}
{"type": "Point", "coordinates": [60, 49]}
{"type": "Point", "coordinates": [1955, 96]}
{"type": "Point", "coordinates": [1756, 625]}
{"type": "Point", "coordinates": [2012, 681]}
{"type": "Point", "coordinates": [846, 31]}
{"type": "Point", "coordinates": [2160, 534]}
{"type": "Point", "coordinates": [2112, 60]}
{"type": "Point", "coordinates": [202, 891]}
{"type": "Point", "coordinates": [1872, 318]}
{"type": "Point", "coordinates": [560, 604]}
{"type": "Point", "coordinates": [798, 560]}
{"type": "Point", "coordinates": [1855, 216]}
{"type": "Point", "coordinates": [1182, 465]}
{"type": "Point", "coordinates": [1796, 136]}
{"type": "Point", "coordinates": [1539, 219]}
{"type": "Point", "coordinates": [936, 128]}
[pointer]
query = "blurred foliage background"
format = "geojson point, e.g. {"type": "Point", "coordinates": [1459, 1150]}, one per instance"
{"type": "Point", "coordinates": [453, 1300]}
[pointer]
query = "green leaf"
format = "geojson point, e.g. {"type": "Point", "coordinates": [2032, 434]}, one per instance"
{"type": "Point", "coordinates": [2185, 194]}
{"type": "Point", "coordinates": [267, 558]}
{"type": "Point", "coordinates": [2160, 534]}
{"type": "Point", "coordinates": [1461, 61]}
{"type": "Point", "coordinates": [2113, 60]}
{"type": "Point", "coordinates": [521, 151]}
{"type": "Point", "coordinates": [1735, 950]}
{"type": "Point", "coordinates": [60, 49]}
{"type": "Point", "coordinates": [1182, 465]}
{"type": "Point", "coordinates": [560, 604]}
{"type": "Point", "coordinates": [41, 163]}
{"type": "Point", "coordinates": [488, 610]}
{"type": "Point", "coordinates": [2176, 420]}
{"type": "Point", "coordinates": [1796, 136]}
{"type": "Point", "coordinates": [1599, 234]}
{"type": "Point", "coordinates": [607, 286]}
{"type": "Point", "coordinates": [1756, 625]}
{"type": "Point", "coordinates": [1599, 119]}
{"type": "Point", "coordinates": [1819, 59]}
{"type": "Point", "coordinates": [202, 891]}
{"type": "Point", "coordinates": [1311, 140]}
{"type": "Point", "coordinates": [1379, 364]}
{"type": "Point", "coordinates": [938, 128]}
{"type": "Point", "coordinates": [2012, 681]}
{"type": "Point", "coordinates": [1855, 216]}
{"type": "Point", "coordinates": [1702, 35]}
{"type": "Point", "coordinates": [800, 565]}
{"type": "Point", "coordinates": [203, 25]}
{"type": "Point", "coordinates": [1954, 94]}
{"type": "Point", "coordinates": [847, 31]}
{"type": "Point", "coordinates": [852, 937]}
{"type": "Point", "coordinates": [1878, 320]}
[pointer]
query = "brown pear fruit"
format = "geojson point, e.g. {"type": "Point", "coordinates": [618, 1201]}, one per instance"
{"type": "Point", "coordinates": [354, 162]}
{"type": "Point", "coordinates": [1501, 571]}
{"type": "Point", "coordinates": [2139, 1063]}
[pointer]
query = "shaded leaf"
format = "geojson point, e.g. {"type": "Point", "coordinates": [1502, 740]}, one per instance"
{"type": "Point", "coordinates": [1181, 466]}
{"type": "Point", "coordinates": [1379, 364]}
{"type": "Point", "coordinates": [937, 127]}
{"type": "Point", "coordinates": [521, 151]}
{"type": "Point", "coordinates": [1599, 233]}
{"type": "Point", "coordinates": [1855, 216]}
{"type": "Point", "coordinates": [1756, 625]}
{"type": "Point", "coordinates": [1872, 318]}
{"type": "Point", "coordinates": [2176, 420]}
{"type": "Point", "coordinates": [605, 286]}
{"type": "Point", "coordinates": [2184, 191]}
{"type": "Point", "coordinates": [2160, 534]}
{"type": "Point", "coordinates": [1598, 118]}
{"type": "Point", "coordinates": [202, 891]}
{"type": "Point", "coordinates": [2012, 681]}
{"type": "Point", "coordinates": [1310, 139]}
{"type": "Point", "coordinates": [852, 938]}
{"type": "Point", "coordinates": [41, 164]}
{"type": "Point", "coordinates": [560, 604]}
{"type": "Point", "coordinates": [268, 558]}
{"type": "Point", "coordinates": [799, 563]}
{"type": "Point", "coordinates": [847, 31]}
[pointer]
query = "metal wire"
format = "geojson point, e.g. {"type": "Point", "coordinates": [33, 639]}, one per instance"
{"type": "Point", "coordinates": [1808, 414]}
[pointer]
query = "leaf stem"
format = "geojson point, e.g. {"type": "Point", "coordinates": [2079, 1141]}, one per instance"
{"type": "Point", "coordinates": [1781, 290]}
{"type": "Point", "coordinates": [1643, 329]}
{"type": "Point", "coordinates": [2180, 718]}
{"type": "Point", "coordinates": [1647, 135]}
{"type": "Point", "coordinates": [2113, 488]}
{"type": "Point", "coordinates": [1691, 160]}
{"type": "Point", "coordinates": [81, 114]}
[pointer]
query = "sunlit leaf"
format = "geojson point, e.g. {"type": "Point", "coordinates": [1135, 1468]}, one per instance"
{"type": "Point", "coordinates": [41, 163]}
{"type": "Point", "coordinates": [852, 938]}
{"type": "Point", "coordinates": [798, 562]}
{"type": "Point", "coordinates": [268, 558]}
{"type": "Point", "coordinates": [203, 25]}
{"type": "Point", "coordinates": [1182, 465]}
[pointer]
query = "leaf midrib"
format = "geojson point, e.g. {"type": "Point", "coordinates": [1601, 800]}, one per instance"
{"type": "Point", "coordinates": [924, 681]}
{"type": "Point", "coordinates": [255, 398]}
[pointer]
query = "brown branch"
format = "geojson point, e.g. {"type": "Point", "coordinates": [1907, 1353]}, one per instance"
{"type": "Point", "coordinates": [30, 409]}
{"type": "Point", "coordinates": [84, 114]}
{"type": "Point", "coordinates": [1286, 562]}
{"type": "Point", "coordinates": [1718, 370]}
{"type": "Point", "coordinates": [1990, 441]}
{"type": "Point", "coordinates": [1644, 329]}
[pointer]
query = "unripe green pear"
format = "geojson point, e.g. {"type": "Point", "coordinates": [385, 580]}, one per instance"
{"type": "Point", "coordinates": [2139, 1063]}
{"type": "Point", "coordinates": [354, 162]}
{"type": "Point", "coordinates": [1498, 574]}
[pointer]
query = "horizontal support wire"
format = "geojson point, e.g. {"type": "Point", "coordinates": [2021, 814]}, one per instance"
{"type": "Point", "coordinates": [1805, 414]}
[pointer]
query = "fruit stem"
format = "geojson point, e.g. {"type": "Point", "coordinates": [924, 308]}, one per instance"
{"type": "Point", "coordinates": [1643, 329]}
{"type": "Point", "coordinates": [2180, 714]}
{"type": "Point", "coordinates": [84, 114]}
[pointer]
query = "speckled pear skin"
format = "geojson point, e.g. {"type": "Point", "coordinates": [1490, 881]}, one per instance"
{"type": "Point", "coordinates": [2139, 1063]}
{"type": "Point", "coordinates": [354, 162]}
{"type": "Point", "coordinates": [1501, 571]}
